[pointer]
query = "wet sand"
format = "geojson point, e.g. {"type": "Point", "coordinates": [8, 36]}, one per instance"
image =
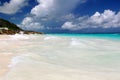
{"type": "Point", "coordinates": [5, 55]}
{"type": "Point", "coordinates": [5, 60]}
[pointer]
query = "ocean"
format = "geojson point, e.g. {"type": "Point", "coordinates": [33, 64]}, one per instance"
{"type": "Point", "coordinates": [62, 57]}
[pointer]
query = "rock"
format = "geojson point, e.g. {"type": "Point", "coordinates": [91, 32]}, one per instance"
{"type": "Point", "coordinates": [31, 32]}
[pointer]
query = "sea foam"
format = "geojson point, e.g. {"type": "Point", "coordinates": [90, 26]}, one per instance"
{"type": "Point", "coordinates": [19, 36]}
{"type": "Point", "coordinates": [15, 60]}
{"type": "Point", "coordinates": [50, 38]}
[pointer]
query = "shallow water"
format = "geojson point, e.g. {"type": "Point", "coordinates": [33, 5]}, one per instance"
{"type": "Point", "coordinates": [62, 57]}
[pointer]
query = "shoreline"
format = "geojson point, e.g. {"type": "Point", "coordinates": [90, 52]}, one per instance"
{"type": "Point", "coordinates": [5, 60]}
{"type": "Point", "coordinates": [6, 57]}
{"type": "Point", "coordinates": [41, 58]}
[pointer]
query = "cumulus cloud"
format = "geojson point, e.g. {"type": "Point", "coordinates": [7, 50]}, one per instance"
{"type": "Point", "coordinates": [51, 10]}
{"type": "Point", "coordinates": [107, 19]}
{"type": "Point", "coordinates": [29, 24]}
{"type": "Point", "coordinates": [13, 6]}
{"type": "Point", "coordinates": [69, 25]}
{"type": "Point", "coordinates": [54, 7]}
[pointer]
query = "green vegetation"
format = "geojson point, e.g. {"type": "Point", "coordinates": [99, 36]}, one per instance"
{"type": "Point", "coordinates": [7, 27]}
{"type": "Point", "coordinates": [7, 24]}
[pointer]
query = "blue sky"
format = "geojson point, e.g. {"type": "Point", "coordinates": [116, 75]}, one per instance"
{"type": "Point", "coordinates": [61, 16]}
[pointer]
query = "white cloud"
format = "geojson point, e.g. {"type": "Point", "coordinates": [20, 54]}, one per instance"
{"type": "Point", "coordinates": [107, 19]}
{"type": "Point", "coordinates": [69, 25]}
{"type": "Point", "coordinates": [51, 10]}
{"type": "Point", "coordinates": [67, 17]}
{"type": "Point", "coordinates": [44, 8]}
{"type": "Point", "coordinates": [54, 7]}
{"type": "Point", "coordinates": [29, 24]}
{"type": "Point", "coordinates": [13, 6]}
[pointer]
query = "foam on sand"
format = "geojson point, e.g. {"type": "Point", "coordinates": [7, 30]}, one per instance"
{"type": "Point", "coordinates": [19, 36]}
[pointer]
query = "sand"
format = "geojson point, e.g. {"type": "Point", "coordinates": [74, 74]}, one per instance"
{"type": "Point", "coordinates": [5, 60]}
{"type": "Point", "coordinates": [39, 58]}
{"type": "Point", "coordinates": [4, 37]}
{"type": "Point", "coordinates": [6, 56]}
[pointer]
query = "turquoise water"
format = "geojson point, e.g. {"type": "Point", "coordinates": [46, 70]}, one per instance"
{"type": "Point", "coordinates": [106, 36]}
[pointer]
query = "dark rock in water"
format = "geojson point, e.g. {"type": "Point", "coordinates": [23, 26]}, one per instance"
{"type": "Point", "coordinates": [9, 28]}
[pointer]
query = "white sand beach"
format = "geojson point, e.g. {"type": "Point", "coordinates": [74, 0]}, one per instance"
{"type": "Point", "coordinates": [49, 57]}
